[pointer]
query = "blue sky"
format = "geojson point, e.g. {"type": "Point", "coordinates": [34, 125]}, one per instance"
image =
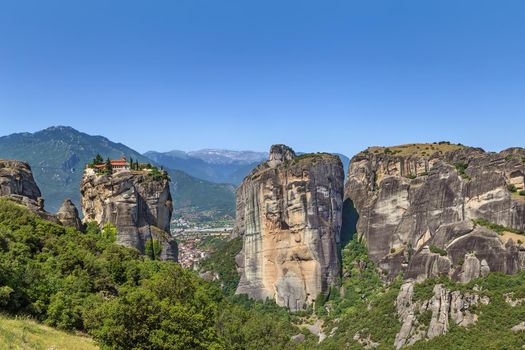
{"type": "Point", "coordinates": [317, 75]}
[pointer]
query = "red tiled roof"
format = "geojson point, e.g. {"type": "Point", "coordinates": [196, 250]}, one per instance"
{"type": "Point", "coordinates": [113, 163]}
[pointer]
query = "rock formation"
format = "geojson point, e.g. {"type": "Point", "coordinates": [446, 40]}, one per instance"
{"type": "Point", "coordinates": [16, 179]}
{"type": "Point", "coordinates": [139, 206]}
{"type": "Point", "coordinates": [426, 319]}
{"type": "Point", "coordinates": [289, 216]}
{"type": "Point", "coordinates": [68, 215]}
{"type": "Point", "coordinates": [17, 183]}
{"type": "Point", "coordinates": [420, 207]}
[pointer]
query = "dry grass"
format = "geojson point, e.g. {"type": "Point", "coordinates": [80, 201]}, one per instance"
{"type": "Point", "coordinates": [416, 149]}
{"type": "Point", "coordinates": [517, 196]}
{"type": "Point", "coordinates": [25, 334]}
{"type": "Point", "coordinates": [506, 235]}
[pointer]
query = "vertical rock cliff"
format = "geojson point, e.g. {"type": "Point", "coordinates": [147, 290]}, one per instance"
{"type": "Point", "coordinates": [289, 216]}
{"type": "Point", "coordinates": [428, 209]}
{"type": "Point", "coordinates": [138, 204]}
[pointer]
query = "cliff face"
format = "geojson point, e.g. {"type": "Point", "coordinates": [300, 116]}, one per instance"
{"type": "Point", "coordinates": [16, 179]}
{"type": "Point", "coordinates": [289, 216]}
{"type": "Point", "coordinates": [418, 204]}
{"type": "Point", "coordinates": [138, 205]}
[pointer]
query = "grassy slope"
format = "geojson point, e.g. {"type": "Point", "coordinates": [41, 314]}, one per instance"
{"type": "Point", "coordinates": [419, 149]}
{"type": "Point", "coordinates": [22, 333]}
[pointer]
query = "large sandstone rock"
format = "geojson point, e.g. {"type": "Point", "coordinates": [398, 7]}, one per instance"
{"type": "Point", "coordinates": [138, 205]}
{"type": "Point", "coordinates": [289, 216]}
{"type": "Point", "coordinates": [415, 197]}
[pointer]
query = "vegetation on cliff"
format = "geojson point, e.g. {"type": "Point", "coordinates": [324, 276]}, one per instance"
{"type": "Point", "coordinates": [83, 281]}
{"type": "Point", "coordinates": [222, 261]}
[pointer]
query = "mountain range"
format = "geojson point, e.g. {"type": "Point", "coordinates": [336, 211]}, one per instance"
{"type": "Point", "coordinates": [202, 181]}
{"type": "Point", "coordinates": [215, 165]}
{"type": "Point", "coordinates": [58, 154]}
{"type": "Point", "coordinates": [219, 166]}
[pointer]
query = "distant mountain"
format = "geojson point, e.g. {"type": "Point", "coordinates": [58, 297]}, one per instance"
{"type": "Point", "coordinates": [220, 156]}
{"type": "Point", "coordinates": [219, 166]}
{"type": "Point", "coordinates": [215, 165]}
{"type": "Point", "coordinates": [58, 154]}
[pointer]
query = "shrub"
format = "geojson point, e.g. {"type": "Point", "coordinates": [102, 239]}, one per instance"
{"type": "Point", "coordinates": [153, 249]}
{"type": "Point", "coordinates": [437, 250]}
{"type": "Point", "coordinates": [495, 227]}
{"type": "Point", "coordinates": [461, 169]}
{"type": "Point", "coordinates": [521, 193]}
{"type": "Point", "coordinates": [512, 188]}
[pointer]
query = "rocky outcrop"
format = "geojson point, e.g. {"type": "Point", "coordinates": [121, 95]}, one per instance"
{"type": "Point", "coordinates": [419, 208]}
{"type": "Point", "coordinates": [426, 319]}
{"type": "Point", "coordinates": [139, 205]}
{"type": "Point", "coordinates": [68, 215]}
{"type": "Point", "coordinates": [289, 216]}
{"type": "Point", "coordinates": [17, 179]}
{"type": "Point", "coordinates": [17, 184]}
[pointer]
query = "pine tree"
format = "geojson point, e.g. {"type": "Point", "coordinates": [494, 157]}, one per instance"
{"type": "Point", "coordinates": [98, 159]}
{"type": "Point", "coordinates": [109, 167]}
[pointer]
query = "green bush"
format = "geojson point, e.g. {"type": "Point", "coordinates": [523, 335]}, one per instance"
{"type": "Point", "coordinates": [495, 227]}
{"type": "Point", "coordinates": [461, 169]}
{"type": "Point", "coordinates": [153, 249]}
{"type": "Point", "coordinates": [512, 188]}
{"type": "Point", "coordinates": [521, 193]}
{"type": "Point", "coordinates": [437, 250]}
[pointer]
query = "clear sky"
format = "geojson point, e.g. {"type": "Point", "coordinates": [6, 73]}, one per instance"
{"type": "Point", "coordinates": [317, 75]}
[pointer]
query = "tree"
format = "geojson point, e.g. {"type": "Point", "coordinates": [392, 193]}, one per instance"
{"type": "Point", "coordinates": [98, 159]}
{"type": "Point", "coordinates": [109, 167]}
{"type": "Point", "coordinates": [131, 163]}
